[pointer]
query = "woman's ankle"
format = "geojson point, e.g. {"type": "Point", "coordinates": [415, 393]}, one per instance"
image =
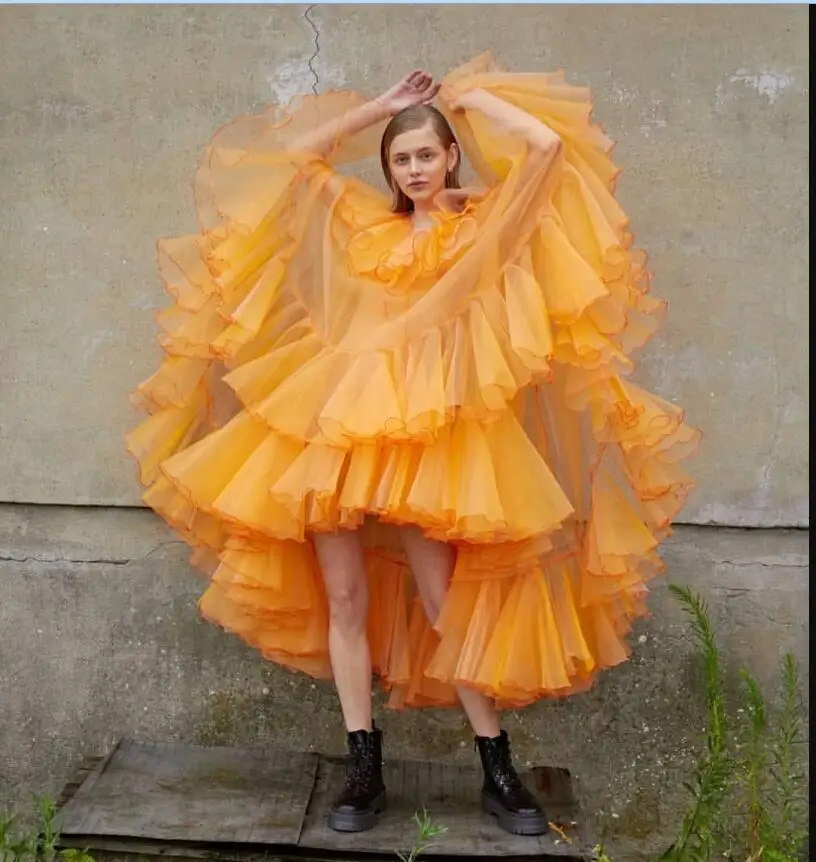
{"type": "Point", "coordinates": [360, 727]}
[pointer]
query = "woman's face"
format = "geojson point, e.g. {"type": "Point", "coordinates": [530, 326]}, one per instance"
{"type": "Point", "coordinates": [419, 162]}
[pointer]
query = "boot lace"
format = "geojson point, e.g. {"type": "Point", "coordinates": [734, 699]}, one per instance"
{"type": "Point", "coordinates": [501, 767]}
{"type": "Point", "coordinates": [507, 775]}
{"type": "Point", "coordinates": [358, 770]}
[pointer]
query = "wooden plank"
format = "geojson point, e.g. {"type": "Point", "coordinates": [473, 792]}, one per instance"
{"type": "Point", "coordinates": [135, 850]}
{"type": "Point", "coordinates": [80, 777]}
{"type": "Point", "coordinates": [175, 792]}
{"type": "Point", "coordinates": [158, 800]}
{"type": "Point", "coordinates": [450, 794]}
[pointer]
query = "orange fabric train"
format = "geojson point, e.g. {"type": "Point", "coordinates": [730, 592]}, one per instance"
{"type": "Point", "coordinates": [471, 380]}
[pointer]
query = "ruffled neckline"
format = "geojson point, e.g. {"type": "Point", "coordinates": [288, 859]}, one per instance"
{"type": "Point", "coordinates": [397, 255]}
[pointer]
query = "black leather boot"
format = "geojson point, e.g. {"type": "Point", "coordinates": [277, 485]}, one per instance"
{"type": "Point", "coordinates": [503, 794]}
{"type": "Point", "coordinates": [363, 797]}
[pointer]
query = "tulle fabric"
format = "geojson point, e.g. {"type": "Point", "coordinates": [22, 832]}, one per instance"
{"type": "Point", "coordinates": [327, 370]}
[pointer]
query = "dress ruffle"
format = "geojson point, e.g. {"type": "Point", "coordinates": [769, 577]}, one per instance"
{"type": "Point", "coordinates": [326, 369]}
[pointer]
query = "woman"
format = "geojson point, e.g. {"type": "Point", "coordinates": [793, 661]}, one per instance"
{"type": "Point", "coordinates": [435, 469]}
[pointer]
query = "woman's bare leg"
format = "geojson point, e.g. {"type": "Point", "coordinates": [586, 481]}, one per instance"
{"type": "Point", "coordinates": [341, 561]}
{"type": "Point", "coordinates": [503, 794]}
{"type": "Point", "coordinates": [432, 563]}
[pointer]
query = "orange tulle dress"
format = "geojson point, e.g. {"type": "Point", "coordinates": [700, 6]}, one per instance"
{"type": "Point", "coordinates": [328, 370]}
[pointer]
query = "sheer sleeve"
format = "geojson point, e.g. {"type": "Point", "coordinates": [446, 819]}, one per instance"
{"type": "Point", "coordinates": [254, 163]}
{"type": "Point", "coordinates": [558, 220]}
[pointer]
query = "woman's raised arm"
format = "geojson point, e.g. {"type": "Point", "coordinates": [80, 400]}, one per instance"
{"type": "Point", "coordinates": [415, 88]}
{"type": "Point", "coordinates": [510, 118]}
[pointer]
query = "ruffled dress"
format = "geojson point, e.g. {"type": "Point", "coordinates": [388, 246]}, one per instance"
{"type": "Point", "coordinates": [326, 369]}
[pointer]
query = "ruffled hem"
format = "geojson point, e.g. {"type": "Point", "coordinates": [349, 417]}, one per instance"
{"type": "Point", "coordinates": [475, 483]}
{"type": "Point", "coordinates": [556, 648]}
{"type": "Point", "coordinates": [471, 383]}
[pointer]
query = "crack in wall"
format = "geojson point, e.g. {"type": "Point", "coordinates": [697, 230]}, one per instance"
{"type": "Point", "coordinates": [8, 557]}
{"type": "Point", "coordinates": [314, 56]}
{"type": "Point", "coordinates": [781, 564]}
{"type": "Point", "coordinates": [114, 561]}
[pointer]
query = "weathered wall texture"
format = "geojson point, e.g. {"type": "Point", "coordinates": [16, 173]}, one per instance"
{"type": "Point", "coordinates": [101, 640]}
{"type": "Point", "coordinates": [103, 112]}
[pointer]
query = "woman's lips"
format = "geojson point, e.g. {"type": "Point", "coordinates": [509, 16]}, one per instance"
{"type": "Point", "coordinates": [419, 184]}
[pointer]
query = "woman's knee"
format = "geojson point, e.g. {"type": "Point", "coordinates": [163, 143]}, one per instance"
{"type": "Point", "coordinates": [344, 577]}
{"type": "Point", "coordinates": [348, 602]}
{"type": "Point", "coordinates": [432, 605]}
{"type": "Point", "coordinates": [432, 563]}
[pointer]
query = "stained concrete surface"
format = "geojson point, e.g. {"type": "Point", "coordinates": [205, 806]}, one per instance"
{"type": "Point", "coordinates": [102, 640]}
{"type": "Point", "coordinates": [105, 110]}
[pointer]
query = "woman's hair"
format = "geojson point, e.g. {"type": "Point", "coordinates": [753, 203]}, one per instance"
{"type": "Point", "coordinates": [408, 119]}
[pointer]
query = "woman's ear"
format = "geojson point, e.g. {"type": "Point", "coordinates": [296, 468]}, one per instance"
{"type": "Point", "coordinates": [453, 157]}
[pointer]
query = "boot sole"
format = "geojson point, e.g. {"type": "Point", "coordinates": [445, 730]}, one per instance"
{"type": "Point", "coordinates": [358, 821]}
{"type": "Point", "coordinates": [515, 824]}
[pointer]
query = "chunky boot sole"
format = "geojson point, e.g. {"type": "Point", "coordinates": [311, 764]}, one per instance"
{"type": "Point", "coordinates": [358, 821]}
{"type": "Point", "coordinates": [515, 824]}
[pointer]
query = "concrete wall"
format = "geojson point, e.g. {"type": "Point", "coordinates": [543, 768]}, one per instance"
{"type": "Point", "coordinates": [101, 640]}
{"type": "Point", "coordinates": [104, 111]}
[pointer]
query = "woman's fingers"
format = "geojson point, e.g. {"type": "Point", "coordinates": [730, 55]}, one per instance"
{"type": "Point", "coordinates": [422, 83]}
{"type": "Point", "coordinates": [421, 79]}
{"type": "Point", "coordinates": [414, 79]}
{"type": "Point", "coordinates": [429, 88]}
{"type": "Point", "coordinates": [430, 95]}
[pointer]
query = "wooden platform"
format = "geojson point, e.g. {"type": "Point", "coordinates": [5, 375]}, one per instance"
{"type": "Point", "coordinates": [170, 799]}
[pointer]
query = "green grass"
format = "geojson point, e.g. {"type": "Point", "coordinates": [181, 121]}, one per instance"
{"type": "Point", "coordinates": [747, 796]}
{"type": "Point", "coordinates": [39, 844]}
{"type": "Point", "coordinates": [426, 832]}
{"type": "Point", "coordinates": [712, 777]}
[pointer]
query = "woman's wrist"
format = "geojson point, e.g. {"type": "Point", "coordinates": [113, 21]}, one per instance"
{"type": "Point", "coordinates": [380, 108]}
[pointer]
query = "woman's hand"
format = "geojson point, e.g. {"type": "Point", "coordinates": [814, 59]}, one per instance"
{"type": "Point", "coordinates": [416, 88]}
{"type": "Point", "coordinates": [457, 199]}
{"type": "Point", "coordinates": [460, 101]}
